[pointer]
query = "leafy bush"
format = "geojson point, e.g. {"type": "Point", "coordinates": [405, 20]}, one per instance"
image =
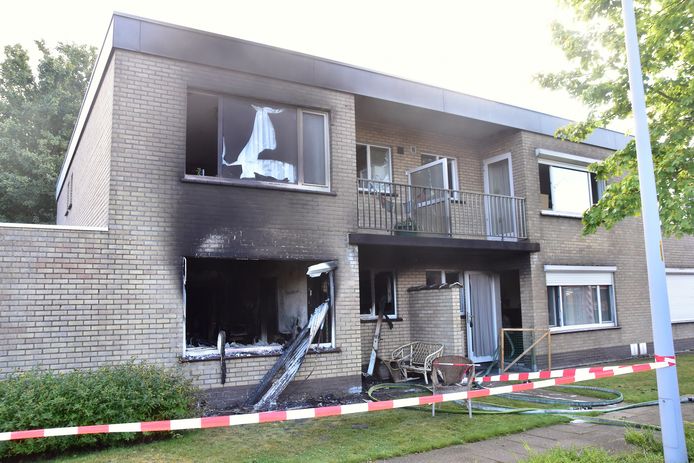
{"type": "Point", "coordinates": [117, 394]}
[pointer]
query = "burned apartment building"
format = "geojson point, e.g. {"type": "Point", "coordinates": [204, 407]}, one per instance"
{"type": "Point", "coordinates": [206, 174]}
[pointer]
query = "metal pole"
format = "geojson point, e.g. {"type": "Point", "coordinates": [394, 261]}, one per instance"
{"type": "Point", "coordinates": [674, 447]}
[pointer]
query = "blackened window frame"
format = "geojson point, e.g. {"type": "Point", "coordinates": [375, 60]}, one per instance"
{"type": "Point", "coordinates": [329, 324]}
{"type": "Point", "coordinates": [300, 185]}
{"type": "Point", "coordinates": [373, 310]}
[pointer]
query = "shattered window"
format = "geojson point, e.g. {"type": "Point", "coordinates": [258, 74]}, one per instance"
{"type": "Point", "coordinates": [260, 305]}
{"type": "Point", "coordinates": [433, 278]}
{"type": "Point", "coordinates": [259, 142]}
{"type": "Point", "coordinates": [374, 163]}
{"type": "Point", "coordinates": [439, 277]}
{"type": "Point", "coordinates": [376, 291]}
{"type": "Point", "coordinates": [256, 141]}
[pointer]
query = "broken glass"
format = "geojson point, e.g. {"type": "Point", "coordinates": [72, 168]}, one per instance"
{"type": "Point", "coordinates": [259, 142]}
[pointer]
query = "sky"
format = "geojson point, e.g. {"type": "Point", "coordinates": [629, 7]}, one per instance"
{"type": "Point", "coordinates": [487, 48]}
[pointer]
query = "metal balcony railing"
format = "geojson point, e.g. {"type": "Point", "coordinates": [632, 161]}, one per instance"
{"type": "Point", "coordinates": [424, 211]}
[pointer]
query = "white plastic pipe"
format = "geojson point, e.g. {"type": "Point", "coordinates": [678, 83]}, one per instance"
{"type": "Point", "coordinates": [675, 450]}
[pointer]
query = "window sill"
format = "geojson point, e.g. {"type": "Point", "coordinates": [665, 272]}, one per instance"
{"type": "Point", "coordinates": [244, 355]}
{"type": "Point", "coordinates": [680, 322]}
{"type": "Point", "coordinates": [570, 215]}
{"type": "Point", "coordinates": [256, 184]}
{"type": "Point", "coordinates": [579, 329]}
{"type": "Point", "coordinates": [375, 319]}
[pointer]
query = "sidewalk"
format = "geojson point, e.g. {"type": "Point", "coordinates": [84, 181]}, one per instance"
{"type": "Point", "coordinates": [512, 448]}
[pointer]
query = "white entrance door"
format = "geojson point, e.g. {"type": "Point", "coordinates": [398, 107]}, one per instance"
{"type": "Point", "coordinates": [499, 206]}
{"type": "Point", "coordinates": [483, 307]}
{"type": "Point", "coordinates": [429, 197]}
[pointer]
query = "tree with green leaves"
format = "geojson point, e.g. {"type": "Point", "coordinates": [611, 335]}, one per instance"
{"type": "Point", "coordinates": [38, 110]}
{"type": "Point", "coordinates": [599, 79]}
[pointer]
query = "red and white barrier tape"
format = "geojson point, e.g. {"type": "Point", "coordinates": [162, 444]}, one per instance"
{"type": "Point", "coordinates": [567, 377]}
{"type": "Point", "coordinates": [547, 374]}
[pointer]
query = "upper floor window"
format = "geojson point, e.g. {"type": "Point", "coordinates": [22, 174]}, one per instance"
{"type": "Point", "coordinates": [580, 297]}
{"type": "Point", "coordinates": [452, 168]}
{"type": "Point", "coordinates": [374, 163]}
{"type": "Point", "coordinates": [566, 185]}
{"type": "Point", "coordinates": [250, 140]}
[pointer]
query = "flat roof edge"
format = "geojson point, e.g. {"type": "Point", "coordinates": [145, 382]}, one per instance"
{"type": "Point", "coordinates": [201, 47]}
{"type": "Point", "coordinates": [133, 33]}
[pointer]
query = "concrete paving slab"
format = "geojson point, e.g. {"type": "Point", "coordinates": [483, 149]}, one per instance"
{"type": "Point", "coordinates": [495, 447]}
{"type": "Point", "coordinates": [537, 441]}
{"type": "Point", "coordinates": [512, 448]}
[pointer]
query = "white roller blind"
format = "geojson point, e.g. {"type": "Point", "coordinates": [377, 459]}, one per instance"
{"type": "Point", "coordinates": [680, 289]}
{"type": "Point", "coordinates": [577, 277]}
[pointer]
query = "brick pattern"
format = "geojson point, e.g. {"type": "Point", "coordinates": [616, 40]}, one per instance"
{"type": "Point", "coordinates": [563, 244]}
{"type": "Point", "coordinates": [79, 298]}
{"type": "Point", "coordinates": [164, 218]}
{"type": "Point", "coordinates": [435, 317]}
{"type": "Point", "coordinates": [89, 174]}
{"type": "Point", "coordinates": [678, 252]}
{"type": "Point", "coordinates": [467, 154]}
{"type": "Point", "coordinates": [65, 306]}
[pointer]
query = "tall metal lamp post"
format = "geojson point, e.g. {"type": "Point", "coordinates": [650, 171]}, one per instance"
{"type": "Point", "coordinates": [675, 450]}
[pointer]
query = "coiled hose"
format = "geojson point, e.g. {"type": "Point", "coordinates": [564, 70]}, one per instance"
{"type": "Point", "coordinates": [572, 413]}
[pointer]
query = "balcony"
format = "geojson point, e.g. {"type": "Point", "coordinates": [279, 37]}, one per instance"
{"type": "Point", "coordinates": [410, 210]}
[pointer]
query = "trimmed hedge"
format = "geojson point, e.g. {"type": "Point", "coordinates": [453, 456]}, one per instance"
{"type": "Point", "coordinates": [117, 394]}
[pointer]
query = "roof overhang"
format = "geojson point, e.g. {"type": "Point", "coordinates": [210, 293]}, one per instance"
{"type": "Point", "coordinates": [180, 43]}
{"type": "Point", "coordinates": [481, 246]}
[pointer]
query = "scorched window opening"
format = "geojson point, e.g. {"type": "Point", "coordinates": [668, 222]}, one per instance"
{"type": "Point", "coordinates": [250, 140]}
{"type": "Point", "coordinates": [261, 305]}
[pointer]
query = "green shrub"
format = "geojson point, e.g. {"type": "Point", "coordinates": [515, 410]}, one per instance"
{"type": "Point", "coordinates": [117, 394]}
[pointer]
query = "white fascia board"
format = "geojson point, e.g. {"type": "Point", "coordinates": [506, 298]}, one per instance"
{"type": "Point", "coordinates": [542, 153]}
{"type": "Point", "coordinates": [87, 103]}
{"type": "Point", "coordinates": [580, 268]}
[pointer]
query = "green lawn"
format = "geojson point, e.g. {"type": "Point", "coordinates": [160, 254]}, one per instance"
{"type": "Point", "coordinates": [360, 437]}
{"type": "Point", "coordinates": [648, 450]}
{"type": "Point", "coordinates": [641, 387]}
{"type": "Point", "coordinates": [351, 438]}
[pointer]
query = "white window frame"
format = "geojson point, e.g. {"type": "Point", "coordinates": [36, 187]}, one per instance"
{"type": "Point", "coordinates": [587, 276]}
{"type": "Point", "coordinates": [488, 202]}
{"type": "Point", "coordinates": [326, 141]}
{"type": "Point", "coordinates": [368, 161]}
{"type": "Point", "coordinates": [299, 185]}
{"type": "Point", "coordinates": [374, 314]}
{"type": "Point", "coordinates": [455, 185]}
{"type": "Point", "coordinates": [571, 162]}
{"type": "Point", "coordinates": [677, 271]}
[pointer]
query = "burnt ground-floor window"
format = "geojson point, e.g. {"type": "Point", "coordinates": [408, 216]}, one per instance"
{"type": "Point", "coordinates": [260, 305]}
{"type": "Point", "coordinates": [376, 290]}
